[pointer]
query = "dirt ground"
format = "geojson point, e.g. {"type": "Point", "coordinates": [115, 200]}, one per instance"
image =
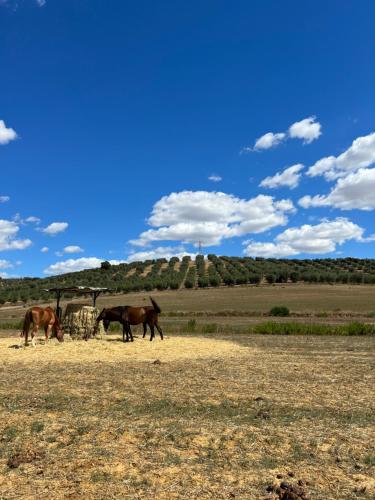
{"type": "Point", "coordinates": [230, 416]}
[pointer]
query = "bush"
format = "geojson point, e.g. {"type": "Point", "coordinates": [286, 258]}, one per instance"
{"type": "Point", "coordinates": [190, 326]}
{"type": "Point", "coordinates": [272, 328]}
{"type": "Point", "coordinates": [279, 311]}
{"type": "Point", "coordinates": [209, 328]}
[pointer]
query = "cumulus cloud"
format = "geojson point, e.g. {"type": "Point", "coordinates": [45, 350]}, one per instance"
{"type": "Point", "coordinates": [70, 249]}
{"type": "Point", "coordinates": [318, 239]}
{"type": "Point", "coordinates": [5, 264]}
{"type": "Point", "coordinates": [55, 228]}
{"type": "Point", "coordinates": [308, 130]}
{"type": "Point", "coordinates": [269, 140]}
{"type": "Point", "coordinates": [215, 178]}
{"type": "Point", "coordinates": [8, 237]}
{"type": "Point", "coordinates": [74, 265]}
{"type": "Point", "coordinates": [6, 134]}
{"type": "Point", "coordinates": [4, 199]}
{"type": "Point", "coordinates": [210, 217]}
{"type": "Point", "coordinates": [290, 177]}
{"type": "Point", "coordinates": [73, 249]}
{"type": "Point", "coordinates": [33, 219]}
{"type": "Point", "coordinates": [360, 154]}
{"type": "Point", "coordinates": [159, 253]}
{"type": "Point", "coordinates": [44, 249]}
{"type": "Point", "coordinates": [355, 191]}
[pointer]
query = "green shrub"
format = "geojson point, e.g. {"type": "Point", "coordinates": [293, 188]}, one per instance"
{"type": "Point", "coordinates": [360, 329]}
{"type": "Point", "coordinates": [209, 328]}
{"type": "Point", "coordinates": [279, 311]}
{"type": "Point", "coordinates": [190, 326]}
{"type": "Point", "coordinates": [273, 328]}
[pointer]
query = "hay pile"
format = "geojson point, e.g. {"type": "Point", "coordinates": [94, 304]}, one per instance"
{"type": "Point", "coordinates": [79, 321]}
{"type": "Point", "coordinates": [111, 349]}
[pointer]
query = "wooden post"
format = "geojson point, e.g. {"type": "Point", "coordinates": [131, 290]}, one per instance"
{"type": "Point", "coordinates": [95, 295]}
{"type": "Point", "coordinates": [58, 308]}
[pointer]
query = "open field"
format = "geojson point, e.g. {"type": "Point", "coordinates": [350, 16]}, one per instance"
{"type": "Point", "coordinates": [214, 417]}
{"type": "Point", "coordinates": [335, 301]}
{"type": "Point", "coordinates": [299, 298]}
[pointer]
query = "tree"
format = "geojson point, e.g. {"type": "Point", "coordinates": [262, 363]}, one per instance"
{"type": "Point", "coordinates": [105, 265]}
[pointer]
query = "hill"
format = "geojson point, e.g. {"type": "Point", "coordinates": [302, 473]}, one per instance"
{"type": "Point", "coordinates": [214, 271]}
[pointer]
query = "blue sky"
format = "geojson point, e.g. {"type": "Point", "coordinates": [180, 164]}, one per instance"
{"type": "Point", "coordinates": [114, 116]}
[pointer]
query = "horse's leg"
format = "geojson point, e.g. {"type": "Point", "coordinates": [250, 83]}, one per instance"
{"type": "Point", "coordinates": [144, 329]}
{"type": "Point", "coordinates": [125, 332]}
{"type": "Point", "coordinates": [130, 332]}
{"type": "Point", "coordinates": [151, 325]}
{"type": "Point", "coordinates": [48, 330]}
{"type": "Point", "coordinates": [26, 336]}
{"type": "Point", "coordinates": [159, 329]}
{"type": "Point", "coordinates": [33, 334]}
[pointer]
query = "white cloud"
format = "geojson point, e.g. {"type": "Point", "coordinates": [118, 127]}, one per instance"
{"type": "Point", "coordinates": [215, 178]}
{"type": "Point", "coordinates": [308, 130]}
{"type": "Point", "coordinates": [73, 249]}
{"type": "Point", "coordinates": [355, 191]}
{"type": "Point", "coordinates": [41, 3]}
{"type": "Point", "coordinates": [267, 141]}
{"type": "Point", "coordinates": [159, 253]}
{"type": "Point", "coordinates": [44, 249]}
{"type": "Point", "coordinates": [4, 199]}
{"type": "Point", "coordinates": [360, 154]}
{"type": "Point", "coordinates": [55, 228]}
{"type": "Point", "coordinates": [210, 217]}
{"type": "Point", "coordinates": [8, 237]}
{"type": "Point", "coordinates": [6, 134]}
{"type": "Point", "coordinates": [290, 177]}
{"type": "Point", "coordinates": [33, 219]}
{"type": "Point", "coordinates": [5, 264]}
{"type": "Point", "coordinates": [74, 265]}
{"type": "Point", "coordinates": [319, 239]}
{"type": "Point", "coordinates": [70, 249]}
{"type": "Point", "coordinates": [268, 250]}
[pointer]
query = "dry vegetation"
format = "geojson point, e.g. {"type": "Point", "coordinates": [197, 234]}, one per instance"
{"type": "Point", "coordinates": [190, 417]}
{"type": "Point", "coordinates": [300, 298]}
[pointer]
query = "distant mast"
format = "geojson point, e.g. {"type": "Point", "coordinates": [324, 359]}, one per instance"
{"type": "Point", "coordinates": [200, 247]}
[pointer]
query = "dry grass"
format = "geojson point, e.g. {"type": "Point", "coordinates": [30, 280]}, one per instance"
{"type": "Point", "coordinates": [217, 417]}
{"type": "Point", "coordinates": [300, 298]}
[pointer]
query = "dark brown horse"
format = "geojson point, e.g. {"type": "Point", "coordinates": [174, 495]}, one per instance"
{"type": "Point", "coordinates": [128, 315]}
{"type": "Point", "coordinates": [45, 317]}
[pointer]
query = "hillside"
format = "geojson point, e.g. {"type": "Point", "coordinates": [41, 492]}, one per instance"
{"type": "Point", "coordinates": [214, 271]}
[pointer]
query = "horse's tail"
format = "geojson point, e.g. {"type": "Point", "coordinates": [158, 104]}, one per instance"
{"type": "Point", "coordinates": [26, 323]}
{"type": "Point", "coordinates": [155, 306]}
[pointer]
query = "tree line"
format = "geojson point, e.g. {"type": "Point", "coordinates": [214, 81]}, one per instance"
{"type": "Point", "coordinates": [213, 271]}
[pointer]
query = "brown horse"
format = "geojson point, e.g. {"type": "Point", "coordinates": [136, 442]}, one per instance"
{"type": "Point", "coordinates": [128, 315]}
{"type": "Point", "coordinates": [44, 317]}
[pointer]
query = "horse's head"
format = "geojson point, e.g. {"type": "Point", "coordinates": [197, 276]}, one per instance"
{"type": "Point", "coordinates": [58, 330]}
{"type": "Point", "coordinates": [100, 318]}
{"type": "Point", "coordinates": [59, 334]}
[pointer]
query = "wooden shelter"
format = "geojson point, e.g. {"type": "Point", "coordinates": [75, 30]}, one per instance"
{"type": "Point", "coordinates": [77, 290]}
